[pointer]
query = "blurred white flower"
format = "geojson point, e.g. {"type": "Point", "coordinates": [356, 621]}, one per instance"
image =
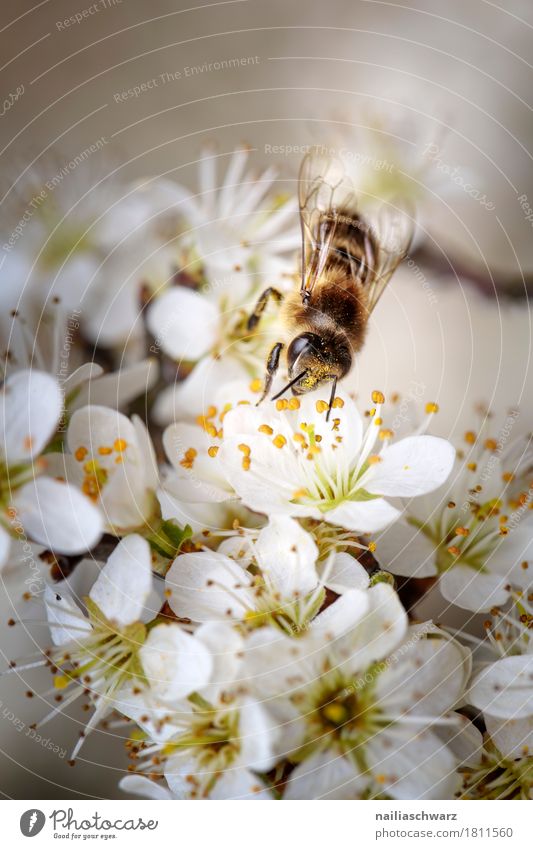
{"type": "Point", "coordinates": [242, 238]}
{"type": "Point", "coordinates": [88, 237]}
{"type": "Point", "coordinates": [35, 505]}
{"type": "Point", "coordinates": [358, 712]}
{"type": "Point", "coordinates": [475, 533]}
{"type": "Point", "coordinates": [211, 743]}
{"type": "Point", "coordinates": [96, 652]}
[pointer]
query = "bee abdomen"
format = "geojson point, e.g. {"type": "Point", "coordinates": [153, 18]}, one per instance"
{"type": "Point", "coordinates": [351, 244]}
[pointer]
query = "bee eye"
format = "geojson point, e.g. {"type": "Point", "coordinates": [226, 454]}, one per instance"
{"type": "Point", "coordinates": [306, 342]}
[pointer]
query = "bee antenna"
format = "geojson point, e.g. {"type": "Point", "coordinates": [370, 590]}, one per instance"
{"type": "Point", "coordinates": [331, 398]}
{"type": "Point", "coordinates": [291, 383]}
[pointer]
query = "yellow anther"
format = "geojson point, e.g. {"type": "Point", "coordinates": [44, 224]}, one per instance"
{"type": "Point", "coordinates": [470, 437]}
{"type": "Point", "coordinates": [213, 450]}
{"type": "Point", "coordinates": [300, 493]}
{"type": "Point", "coordinates": [294, 404]}
{"type": "Point", "coordinates": [256, 385]}
{"type": "Point", "coordinates": [372, 546]}
{"type": "Point", "coordinates": [337, 403]}
{"type": "Point", "coordinates": [104, 450]}
{"type": "Point", "coordinates": [300, 438]}
{"type": "Point", "coordinates": [454, 550]}
{"type": "Point", "coordinates": [246, 463]}
{"type": "Point", "coordinates": [80, 453]}
{"type": "Point", "coordinates": [279, 440]}
{"type": "Point", "coordinates": [491, 445]}
{"type": "Point", "coordinates": [245, 449]}
{"type": "Point", "coordinates": [462, 532]}
{"type": "Point", "coordinates": [373, 459]}
{"type": "Point", "coordinates": [378, 397]}
{"type": "Point", "coordinates": [282, 404]}
{"type": "Point", "coordinates": [508, 477]}
{"type": "Point", "coordinates": [225, 409]}
{"type": "Point", "coordinates": [321, 406]}
{"type": "Point", "coordinates": [264, 428]}
{"type": "Point", "coordinates": [211, 412]}
{"type": "Point", "coordinates": [385, 433]}
{"type": "Point", "coordinates": [188, 458]}
{"type": "Point", "coordinates": [472, 466]}
{"type": "Point", "coordinates": [378, 421]}
{"type": "Point", "coordinates": [431, 407]}
{"type": "Point", "coordinates": [120, 444]}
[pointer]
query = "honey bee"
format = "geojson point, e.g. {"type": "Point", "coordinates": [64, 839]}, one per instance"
{"type": "Point", "coordinates": [348, 257]}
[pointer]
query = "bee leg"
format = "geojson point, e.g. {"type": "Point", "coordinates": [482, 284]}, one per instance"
{"type": "Point", "coordinates": [271, 369]}
{"type": "Point", "coordinates": [261, 304]}
{"type": "Point", "coordinates": [331, 397]}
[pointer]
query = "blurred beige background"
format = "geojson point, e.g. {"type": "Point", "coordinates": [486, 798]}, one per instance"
{"type": "Point", "coordinates": [310, 69]}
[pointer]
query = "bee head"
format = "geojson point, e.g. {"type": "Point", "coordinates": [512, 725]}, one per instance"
{"type": "Point", "coordinates": [317, 360]}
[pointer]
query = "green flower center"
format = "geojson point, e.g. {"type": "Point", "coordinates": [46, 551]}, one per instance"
{"type": "Point", "coordinates": [498, 777]}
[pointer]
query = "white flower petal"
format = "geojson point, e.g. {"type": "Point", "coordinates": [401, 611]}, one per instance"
{"type": "Point", "coordinates": [5, 547]}
{"type": "Point", "coordinates": [241, 784]}
{"type": "Point", "coordinates": [513, 737]}
{"type": "Point", "coordinates": [342, 615]}
{"type": "Point", "coordinates": [58, 515]}
{"type": "Point", "coordinates": [344, 573]}
{"type": "Point", "coordinates": [125, 582]}
{"type": "Point", "coordinates": [423, 677]}
{"type": "Point", "coordinates": [473, 590]}
{"type": "Point", "coordinates": [67, 622]}
{"type": "Point", "coordinates": [30, 408]}
{"type": "Point", "coordinates": [505, 689]}
{"type": "Point", "coordinates": [326, 775]}
{"type": "Point", "coordinates": [419, 767]}
{"type": "Point", "coordinates": [376, 634]}
{"type": "Point", "coordinates": [226, 646]}
{"type": "Point", "coordinates": [207, 585]}
{"type": "Point", "coordinates": [287, 555]}
{"type": "Point", "coordinates": [413, 466]}
{"type": "Point", "coordinates": [404, 549]}
{"type": "Point", "coordinates": [83, 374]}
{"type": "Point", "coordinates": [184, 323]}
{"type": "Point", "coordinates": [126, 503]}
{"type": "Point", "coordinates": [258, 734]}
{"type": "Point", "coordinates": [363, 516]}
{"type": "Point", "coordinates": [175, 663]}
{"type": "Point", "coordinates": [118, 388]}
{"type": "Point", "coordinates": [139, 785]}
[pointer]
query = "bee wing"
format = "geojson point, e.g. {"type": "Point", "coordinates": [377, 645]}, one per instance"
{"type": "Point", "coordinates": [392, 230]}
{"type": "Point", "coordinates": [322, 187]}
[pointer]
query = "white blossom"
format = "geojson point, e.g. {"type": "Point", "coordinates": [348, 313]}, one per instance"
{"type": "Point", "coordinates": [35, 505]}
{"type": "Point", "coordinates": [475, 533]}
